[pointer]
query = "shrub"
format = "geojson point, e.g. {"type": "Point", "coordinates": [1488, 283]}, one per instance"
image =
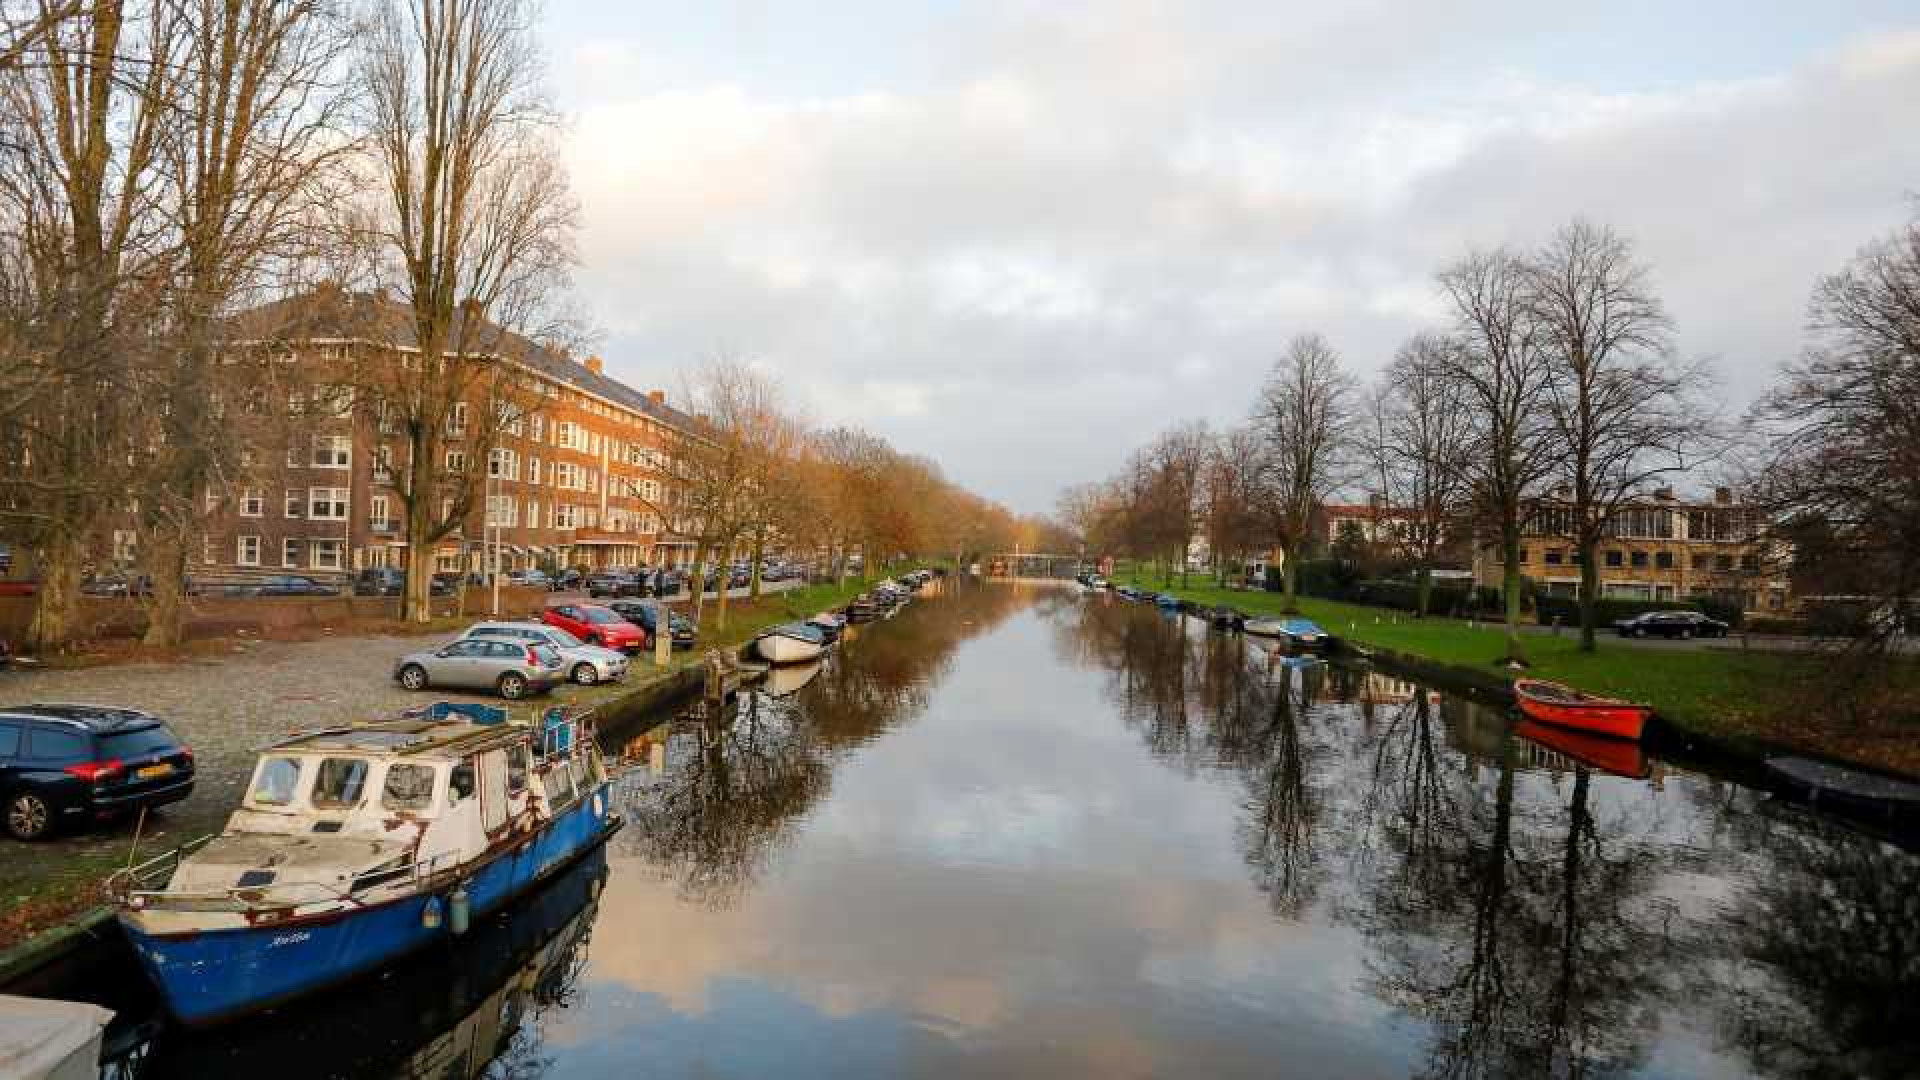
{"type": "Point", "coordinates": [1567, 609]}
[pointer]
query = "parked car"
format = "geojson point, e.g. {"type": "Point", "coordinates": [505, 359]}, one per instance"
{"type": "Point", "coordinates": [536, 579]}
{"type": "Point", "coordinates": [70, 763]}
{"type": "Point", "coordinates": [568, 580]}
{"type": "Point", "coordinates": [1670, 624]}
{"type": "Point", "coordinates": [511, 669]}
{"type": "Point", "coordinates": [596, 625]}
{"type": "Point", "coordinates": [615, 583]}
{"type": "Point", "coordinates": [384, 581]}
{"type": "Point", "coordinates": [668, 582]}
{"type": "Point", "coordinates": [646, 617]}
{"type": "Point", "coordinates": [293, 585]}
{"type": "Point", "coordinates": [585, 664]}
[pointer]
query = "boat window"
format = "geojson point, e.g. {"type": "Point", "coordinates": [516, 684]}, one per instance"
{"type": "Point", "coordinates": [517, 768]}
{"type": "Point", "coordinates": [559, 785]}
{"type": "Point", "coordinates": [408, 787]}
{"type": "Point", "coordinates": [277, 780]}
{"type": "Point", "coordinates": [460, 785]}
{"type": "Point", "coordinates": [340, 783]}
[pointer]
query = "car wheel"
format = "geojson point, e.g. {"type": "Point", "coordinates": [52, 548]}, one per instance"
{"type": "Point", "coordinates": [413, 677]}
{"type": "Point", "coordinates": [584, 674]}
{"type": "Point", "coordinates": [1686, 633]}
{"type": "Point", "coordinates": [28, 816]}
{"type": "Point", "coordinates": [513, 686]}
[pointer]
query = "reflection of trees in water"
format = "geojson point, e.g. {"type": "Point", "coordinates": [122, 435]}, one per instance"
{"type": "Point", "coordinates": [1819, 971]}
{"type": "Point", "coordinates": [1284, 808]}
{"type": "Point", "coordinates": [740, 776]}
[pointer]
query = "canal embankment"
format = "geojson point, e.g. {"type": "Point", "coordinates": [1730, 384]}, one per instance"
{"type": "Point", "coordinates": [1723, 702]}
{"type": "Point", "coordinates": [226, 702]}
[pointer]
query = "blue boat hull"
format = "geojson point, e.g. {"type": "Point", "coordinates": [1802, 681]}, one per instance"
{"type": "Point", "coordinates": [216, 975]}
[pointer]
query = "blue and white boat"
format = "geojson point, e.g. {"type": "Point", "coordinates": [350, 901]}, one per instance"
{"type": "Point", "coordinates": [356, 845]}
{"type": "Point", "coordinates": [1167, 602]}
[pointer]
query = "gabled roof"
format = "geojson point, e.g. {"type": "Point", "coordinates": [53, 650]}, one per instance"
{"type": "Point", "coordinates": [330, 313]}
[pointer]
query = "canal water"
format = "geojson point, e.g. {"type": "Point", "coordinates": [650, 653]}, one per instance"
{"type": "Point", "coordinates": [1026, 831]}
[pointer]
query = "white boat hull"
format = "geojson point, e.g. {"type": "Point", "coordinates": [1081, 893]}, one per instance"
{"type": "Point", "coordinates": [781, 649]}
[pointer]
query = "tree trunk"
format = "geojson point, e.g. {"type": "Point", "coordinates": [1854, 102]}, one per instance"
{"type": "Point", "coordinates": [724, 575]}
{"type": "Point", "coordinates": [1589, 592]}
{"type": "Point", "coordinates": [416, 599]}
{"type": "Point", "coordinates": [1510, 590]}
{"type": "Point", "coordinates": [697, 580]}
{"type": "Point", "coordinates": [167, 568]}
{"type": "Point", "coordinates": [759, 552]}
{"type": "Point", "coordinates": [1290, 579]}
{"type": "Point", "coordinates": [58, 606]}
{"type": "Point", "coordinates": [1424, 594]}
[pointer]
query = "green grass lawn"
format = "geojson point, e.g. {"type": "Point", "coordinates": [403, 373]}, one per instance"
{"type": "Point", "coordinates": [1701, 688]}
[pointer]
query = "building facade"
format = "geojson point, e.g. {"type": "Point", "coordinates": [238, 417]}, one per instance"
{"type": "Point", "coordinates": [1663, 548]}
{"type": "Point", "coordinates": [582, 475]}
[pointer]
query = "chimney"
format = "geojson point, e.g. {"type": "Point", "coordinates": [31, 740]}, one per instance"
{"type": "Point", "coordinates": [1722, 496]}
{"type": "Point", "coordinates": [1665, 494]}
{"type": "Point", "coordinates": [593, 363]}
{"type": "Point", "coordinates": [658, 397]}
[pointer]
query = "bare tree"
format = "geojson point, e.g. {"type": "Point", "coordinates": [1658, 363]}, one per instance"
{"type": "Point", "coordinates": [1845, 444]}
{"type": "Point", "coordinates": [1304, 417]}
{"type": "Point", "coordinates": [1503, 374]}
{"type": "Point", "coordinates": [82, 127]}
{"type": "Point", "coordinates": [246, 166]}
{"type": "Point", "coordinates": [1420, 443]}
{"type": "Point", "coordinates": [473, 229]}
{"type": "Point", "coordinates": [1231, 491]}
{"type": "Point", "coordinates": [1624, 411]}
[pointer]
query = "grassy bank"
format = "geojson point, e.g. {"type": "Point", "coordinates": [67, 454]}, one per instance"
{"type": "Point", "coordinates": [1722, 693]}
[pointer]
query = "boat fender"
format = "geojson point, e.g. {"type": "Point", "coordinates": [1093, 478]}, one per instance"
{"type": "Point", "coordinates": [430, 914]}
{"type": "Point", "coordinates": [460, 908]}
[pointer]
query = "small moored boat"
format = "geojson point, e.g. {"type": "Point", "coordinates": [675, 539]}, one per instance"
{"type": "Point", "coordinates": [1264, 626]}
{"type": "Point", "coordinates": [355, 845]}
{"type": "Point", "coordinates": [791, 643]}
{"type": "Point", "coordinates": [1303, 633]}
{"type": "Point", "coordinates": [1563, 706]}
{"type": "Point", "coordinates": [1825, 781]}
{"type": "Point", "coordinates": [830, 623]}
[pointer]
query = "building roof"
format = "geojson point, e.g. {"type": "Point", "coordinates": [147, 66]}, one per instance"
{"type": "Point", "coordinates": [330, 313]}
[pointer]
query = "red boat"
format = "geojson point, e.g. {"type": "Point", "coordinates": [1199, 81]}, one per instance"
{"type": "Point", "coordinates": [1563, 706]}
{"type": "Point", "coordinates": [1615, 756]}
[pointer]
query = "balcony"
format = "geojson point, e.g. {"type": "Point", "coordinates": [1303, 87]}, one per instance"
{"type": "Point", "coordinates": [383, 476]}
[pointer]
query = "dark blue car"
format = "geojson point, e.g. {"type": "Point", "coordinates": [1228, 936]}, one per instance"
{"type": "Point", "coordinates": [62, 764]}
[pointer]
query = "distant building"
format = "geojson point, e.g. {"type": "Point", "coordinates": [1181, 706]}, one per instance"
{"type": "Point", "coordinates": [1663, 548]}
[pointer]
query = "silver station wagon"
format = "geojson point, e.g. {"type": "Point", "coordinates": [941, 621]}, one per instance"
{"type": "Point", "coordinates": [511, 669]}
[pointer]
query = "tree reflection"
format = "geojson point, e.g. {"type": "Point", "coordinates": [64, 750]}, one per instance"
{"type": "Point", "coordinates": [1283, 808]}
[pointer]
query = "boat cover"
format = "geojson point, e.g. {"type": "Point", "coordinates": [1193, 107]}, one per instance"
{"type": "Point", "coordinates": [50, 1040]}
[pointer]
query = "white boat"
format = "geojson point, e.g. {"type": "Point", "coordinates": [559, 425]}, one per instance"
{"type": "Point", "coordinates": [1265, 627]}
{"type": "Point", "coordinates": [43, 1039]}
{"type": "Point", "coordinates": [354, 845]}
{"type": "Point", "coordinates": [791, 643]}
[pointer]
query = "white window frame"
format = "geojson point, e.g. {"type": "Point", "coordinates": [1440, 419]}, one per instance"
{"type": "Point", "coordinates": [332, 451]}
{"type": "Point", "coordinates": [290, 552]}
{"type": "Point", "coordinates": [331, 499]}
{"type": "Point", "coordinates": [378, 510]}
{"type": "Point", "coordinates": [331, 544]}
{"type": "Point", "coordinates": [241, 546]}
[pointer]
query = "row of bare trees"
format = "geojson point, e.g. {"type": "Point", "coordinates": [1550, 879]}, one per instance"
{"type": "Point", "coordinates": [168, 164]}
{"type": "Point", "coordinates": [1555, 380]}
{"type": "Point", "coordinates": [754, 476]}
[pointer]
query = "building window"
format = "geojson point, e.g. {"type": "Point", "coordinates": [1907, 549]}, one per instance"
{"type": "Point", "coordinates": [290, 552]}
{"type": "Point", "coordinates": [1723, 562]}
{"type": "Point", "coordinates": [206, 551]}
{"type": "Point", "coordinates": [1699, 562]}
{"type": "Point", "coordinates": [533, 471]}
{"type": "Point", "coordinates": [503, 463]}
{"type": "Point", "coordinates": [501, 511]}
{"type": "Point", "coordinates": [1663, 560]}
{"type": "Point", "coordinates": [456, 461]}
{"type": "Point", "coordinates": [1639, 559]}
{"type": "Point", "coordinates": [125, 541]}
{"type": "Point", "coordinates": [377, 511]}
{"type": "Point", "coordinates": [293, 503]}
{"type": "Point", "coordinates": [332, 451]}
{"type": "Point", "coordinates": [1555, 557]}
{"type": "Point", "coordinates": [533, 513]}
{"type": "Point", "coordinates": [536, 427]}
{"type": "Point", "coordinates": [252, 504]}
{"type": "Point", "coordinates": [326, 554]}
{"type": "Point", "coordinates": [1749, 563]}
{"type": "Point", "coordinates": [327, 504]}
{"type": "Point", "coordinates": [457, 419]}
{"type": "Point", "coordinates": [247, 550]}
{"type": "Point", "coordinates": [1614, 558]}
{"type": "Point", "coordinates": [565, 516]}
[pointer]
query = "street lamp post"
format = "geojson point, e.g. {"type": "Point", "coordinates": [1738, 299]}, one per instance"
{"type": "Point", "coordinates": [493, 523]}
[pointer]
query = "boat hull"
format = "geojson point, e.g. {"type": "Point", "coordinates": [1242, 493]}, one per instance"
{"type": "Point", "coordinates": [781, 649]}
{"type": "Point", "coordinates": [1615, 756]}
{"type": "Point", "coordinates": [1614, 719]}
{"type": "Point", "coordinates": [207, 977]}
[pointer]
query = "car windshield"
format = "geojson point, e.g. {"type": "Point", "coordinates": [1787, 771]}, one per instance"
{"type": "Point", "coordinates": [561, 638]}
{"type": "Point", "coordinates": [602, 617]}
{"type": "Point", "coordinates": [133, 744]}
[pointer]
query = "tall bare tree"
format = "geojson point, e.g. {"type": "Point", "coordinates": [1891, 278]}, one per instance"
{"type": "Point", "coordinates": [1503, 373]}
{"type": "Point", "coordinates": [1304, 416]}
{"type": "Point", "coordinates": [1420, 441]}
{"type": "Point", "coordinates": [246, 164]}
{"type": "Point", "coordinates": [83, 126]}
{"type": "Point", "coordinates": [473, 229]}
{"type": "Point", "coordinates": [1624, 410]}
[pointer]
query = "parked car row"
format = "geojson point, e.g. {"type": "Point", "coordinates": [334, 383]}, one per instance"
{"type": "Point", "coordinates": [580, 643]}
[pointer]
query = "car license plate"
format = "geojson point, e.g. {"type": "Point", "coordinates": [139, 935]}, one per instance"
{"type": "Point", "coordinates": [149, 772]}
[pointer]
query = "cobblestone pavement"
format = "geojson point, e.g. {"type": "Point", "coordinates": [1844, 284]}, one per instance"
{"type": "Point", "coordinates": [225, 708]}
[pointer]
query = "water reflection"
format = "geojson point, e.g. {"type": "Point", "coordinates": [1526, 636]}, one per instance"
{"type": "Point", "coordinates": [1019, 831]}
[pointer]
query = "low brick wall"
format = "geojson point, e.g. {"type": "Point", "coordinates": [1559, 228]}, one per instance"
{"type": "Point", "coordinates": [210, 616]}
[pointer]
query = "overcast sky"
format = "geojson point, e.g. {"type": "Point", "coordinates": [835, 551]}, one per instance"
{"type": "Point", "coordinates": [1021, 238]}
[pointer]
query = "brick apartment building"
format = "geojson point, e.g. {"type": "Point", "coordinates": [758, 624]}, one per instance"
{"type": "Point", "coordinates": [582, 479]}
{"type": "Point", "coordinates": [1662, 549]}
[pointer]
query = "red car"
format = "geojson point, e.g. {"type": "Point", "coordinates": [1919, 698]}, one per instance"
{"type": "Point", "coordinates": [597, 625]}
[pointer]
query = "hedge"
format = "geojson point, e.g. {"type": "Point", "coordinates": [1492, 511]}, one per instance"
{"type": "Point", "coordinates": [1606, 611]}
